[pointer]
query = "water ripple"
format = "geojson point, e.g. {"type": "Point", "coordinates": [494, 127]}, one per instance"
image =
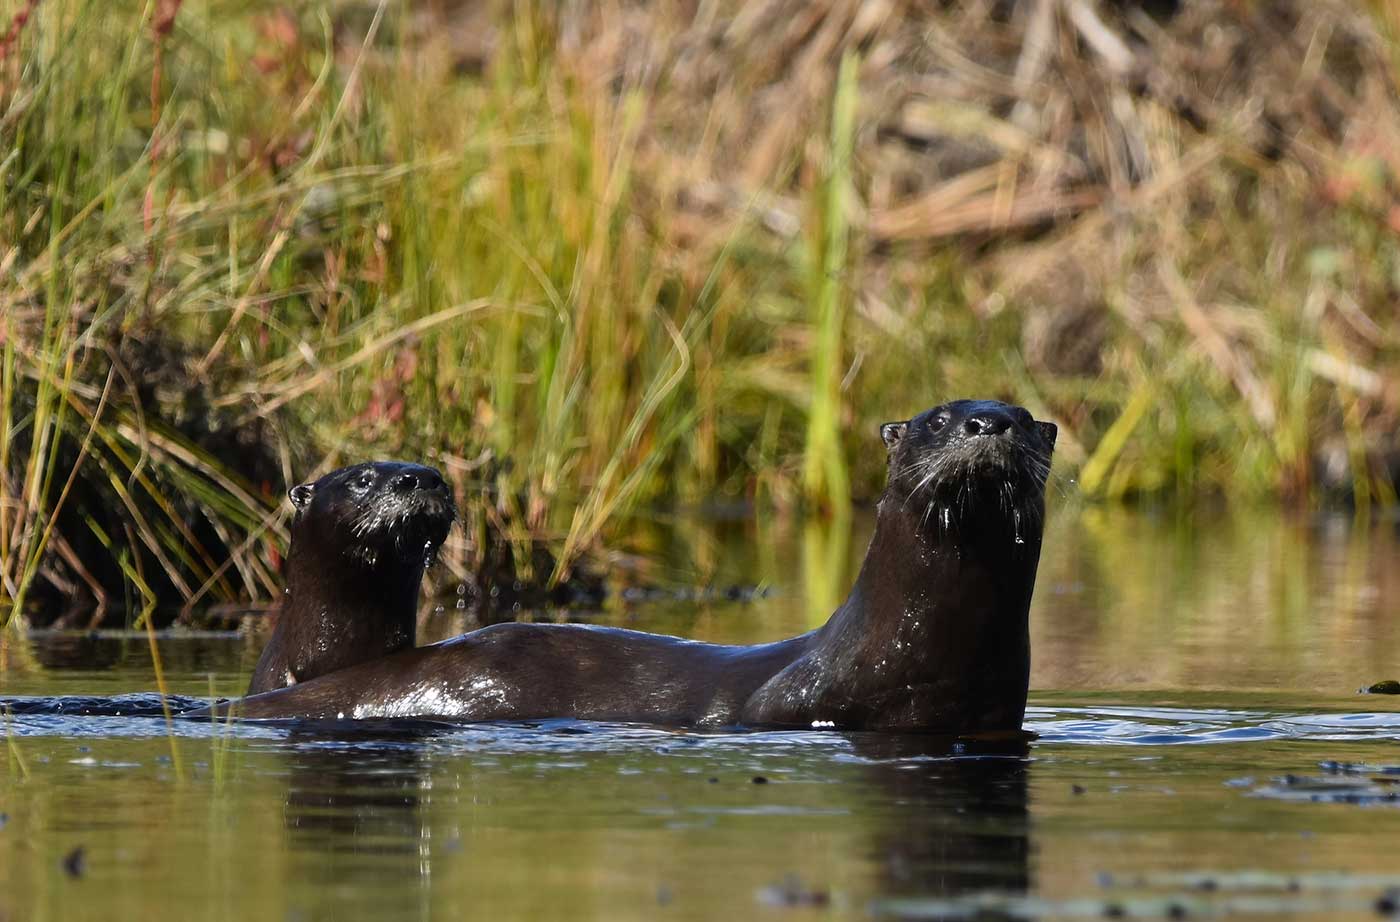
{"type": "Point", "coordinates": [141, 715]}
{"type": "Point", "coordinates": [1152, 726]}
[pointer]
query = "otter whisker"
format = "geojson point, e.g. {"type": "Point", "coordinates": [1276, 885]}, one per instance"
{"type": "Point", "coordinates": [934, 469]}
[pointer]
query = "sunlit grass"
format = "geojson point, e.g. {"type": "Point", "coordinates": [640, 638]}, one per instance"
{"type": "Point", "coordinates": [579, 283]}
{"type": "Point", "coordinates": [824, 464]}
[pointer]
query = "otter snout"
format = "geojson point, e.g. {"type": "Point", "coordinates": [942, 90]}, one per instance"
{"type": "Point", "coordinates": [418, 478]}
{"type": "Point", "coordinates": [987, 424]}
{"type": "Point", "coordinates": [1001, 422]}
{"type": "Point", "coordinates": [995, 420]}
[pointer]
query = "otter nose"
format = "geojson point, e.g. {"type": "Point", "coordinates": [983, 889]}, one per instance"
{"type": "Point", "coordinates": [987, 424]}
{"type": "Point", "coordinates": [423, 478]}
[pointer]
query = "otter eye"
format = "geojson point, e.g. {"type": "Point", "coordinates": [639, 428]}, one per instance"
{"type": "Point", "coordinates": [364, 481]}
{"type": "Point", "coordinates": [938, 422]}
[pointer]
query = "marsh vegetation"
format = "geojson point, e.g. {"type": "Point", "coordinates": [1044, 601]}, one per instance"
{"type": "Point", "coordinates": [593, 258]}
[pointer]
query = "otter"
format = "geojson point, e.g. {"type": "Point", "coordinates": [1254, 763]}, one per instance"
{"type": "Point", "coordinates": [933, 636]}
{"type": "Point", "coordinates": [362, 537]}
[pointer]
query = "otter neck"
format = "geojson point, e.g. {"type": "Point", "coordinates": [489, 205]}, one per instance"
{"type": "Point", "coordinates": [338, 616]}
{"type": "Point", "coordinates": [932, 598]}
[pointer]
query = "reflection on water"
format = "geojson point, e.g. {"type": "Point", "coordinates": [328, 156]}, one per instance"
{"type": "Point", "coordinates": [357, 794]}
{"type": "Point", "coordinates": [1247, 602]}
{"type": "Point", "coordinates": [356, 810]}
{"type": "Point", "coordinates": [958, 825]}
{"type": "Point", "coordinates": [1199, 750]}
{"type": "Point", "coordinates": [569, 820]}
{"type": "Point", "coordinates": [827, 567]}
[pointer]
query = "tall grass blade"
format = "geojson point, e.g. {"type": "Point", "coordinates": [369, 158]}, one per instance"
{"type": "Point", "coordinates": [824, 475]}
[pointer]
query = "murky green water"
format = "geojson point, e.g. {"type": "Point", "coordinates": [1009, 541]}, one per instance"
{"type": "Point", "coordinates": [1184, 670]}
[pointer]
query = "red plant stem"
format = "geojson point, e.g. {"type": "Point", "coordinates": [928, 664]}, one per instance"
{"type": "Point", "coordinates": [162, 23]}
{"type": "Point", "coordinates": [16, 27]}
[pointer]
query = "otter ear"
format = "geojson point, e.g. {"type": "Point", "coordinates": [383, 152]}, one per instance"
{"type": "Point", "coordinates": [893, 432]}
{"type": "Point", "coordinates": [1048, 431]}
{"type": "Point", "coordinates": [301, 494]}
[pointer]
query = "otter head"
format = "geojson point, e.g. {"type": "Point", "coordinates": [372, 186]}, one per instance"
{"type": "Point", "coordinates": [971, 463]}
{"type": "Point", "coordinates": [380, 513]}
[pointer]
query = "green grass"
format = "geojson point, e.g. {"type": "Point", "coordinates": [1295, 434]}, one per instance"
{"type": "Point", "coordinates": [824, 465]}
{"type": "Point", "coordinates": [581, 285]}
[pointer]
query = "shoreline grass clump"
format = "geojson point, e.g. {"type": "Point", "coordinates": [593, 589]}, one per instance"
{"type": "Point", "coordinates": [587, 259]}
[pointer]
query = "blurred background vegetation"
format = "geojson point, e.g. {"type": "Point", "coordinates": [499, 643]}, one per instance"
{"type": "Point", "coordinates": [590, 258]}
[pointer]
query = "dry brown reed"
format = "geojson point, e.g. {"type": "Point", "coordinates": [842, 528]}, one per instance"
{"type": "Point", "coordinates": [590, 256]}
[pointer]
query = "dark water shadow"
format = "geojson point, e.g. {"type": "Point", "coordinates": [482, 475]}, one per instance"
{"type": "Point", "coordinates": [353, 790]}
{"type": "Point", "coordinates": [954, 819]}
{"type": "Point", "coordinates": [355, 815]}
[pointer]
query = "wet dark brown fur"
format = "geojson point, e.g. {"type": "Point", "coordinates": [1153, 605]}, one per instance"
{"type": "Point", "coordinates": [361, 539]}
{"type": "Point", "coordinates": [933, 636]}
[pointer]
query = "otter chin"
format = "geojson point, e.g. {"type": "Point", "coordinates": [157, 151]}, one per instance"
{"type": "Point", "coordinates": [362, 537]}
{"type": "Point", "coordinates": [932, 638]}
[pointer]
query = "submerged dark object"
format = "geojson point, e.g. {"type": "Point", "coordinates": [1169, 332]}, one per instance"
{"type": "Point", "coordinates": [932, 637]}
{"type": "Point", "coordinates": [1331, 788]}
{"type": "Point", "coordinates": [361, 539]}
{"type": "Point", "coordinates": [1388, 687]}
{"type": "Point", "coordinates": [75, 862]}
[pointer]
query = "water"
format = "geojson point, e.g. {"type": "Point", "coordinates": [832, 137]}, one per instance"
{"type": "Point", "coordinates": [1201, 752]}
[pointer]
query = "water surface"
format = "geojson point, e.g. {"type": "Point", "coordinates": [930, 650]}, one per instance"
{"type": "Point", "coordinates": [1201, 751]}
